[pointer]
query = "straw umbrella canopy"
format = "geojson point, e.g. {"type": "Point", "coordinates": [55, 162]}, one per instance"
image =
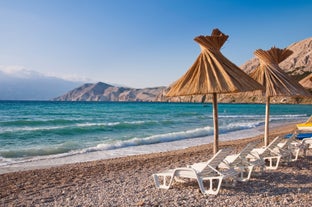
{"type": "Point", "coordinates": [275, 81]}
{"type": "Point", "coordinates": [212, 73]}
{"type": "Point", "coordinates": [307, 82]}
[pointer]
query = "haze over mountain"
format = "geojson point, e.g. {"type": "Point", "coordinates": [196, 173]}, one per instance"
{"type": "Point", "coordinates": [22, 84]}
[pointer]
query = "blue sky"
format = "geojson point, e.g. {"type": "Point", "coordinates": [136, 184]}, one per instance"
{"type": "Point", "coordinates": [139, 43]}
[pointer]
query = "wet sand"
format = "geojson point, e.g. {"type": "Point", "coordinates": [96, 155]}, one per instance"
{"type": "Point", "coordinates": [127, 181]}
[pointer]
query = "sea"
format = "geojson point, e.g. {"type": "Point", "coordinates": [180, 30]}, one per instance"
{"type": "Point", "coordinates": [43, 133]}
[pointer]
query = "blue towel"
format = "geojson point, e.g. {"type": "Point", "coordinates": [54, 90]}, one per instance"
{"type": "Point", "coordinates": [300, 136]}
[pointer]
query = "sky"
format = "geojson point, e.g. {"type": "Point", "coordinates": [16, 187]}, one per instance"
{"type": "Point", "coordinates": [139, 43]}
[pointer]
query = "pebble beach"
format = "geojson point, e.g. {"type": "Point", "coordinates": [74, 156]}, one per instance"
{"type": "Point", "coordinates": [127, 181]}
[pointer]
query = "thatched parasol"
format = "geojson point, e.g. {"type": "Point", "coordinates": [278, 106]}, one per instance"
{"type": "Point", "coordinates": [307, 82]}
{"type": "Point", "coordinates": [275, 81]}
{"type": "Point", "coordinates": [212, 73]}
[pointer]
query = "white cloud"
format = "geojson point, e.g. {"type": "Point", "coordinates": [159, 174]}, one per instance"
{"type": "Point", "coordinates": [70, 77]}
{"type": "Point", "coordinates": [19, 71]}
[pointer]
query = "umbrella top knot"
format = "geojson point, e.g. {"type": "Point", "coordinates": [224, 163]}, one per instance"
{"type": "Point", "coordinates": [214, 41]}
{"type": "Point", "coordinates": [273, 56]}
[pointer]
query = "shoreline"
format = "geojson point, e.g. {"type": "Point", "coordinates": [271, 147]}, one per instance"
{"type": "Point", "coordinates": [127, 181]}
{"type": "Point", "coordinates": [140, 150]}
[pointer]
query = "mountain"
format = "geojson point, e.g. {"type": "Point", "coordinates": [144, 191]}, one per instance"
{"type": "Point", "coordinates": [105, 92]}
{"type": "Point", "coordinates": [32, 86]}
{"type": "Point", "coordinates": [298, 65]}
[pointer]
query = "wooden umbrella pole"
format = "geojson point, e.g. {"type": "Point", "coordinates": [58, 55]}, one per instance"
{"type": "Point", "coordinates": [215, 123]}
{"type": "Point", "coordinates": [267, 115]}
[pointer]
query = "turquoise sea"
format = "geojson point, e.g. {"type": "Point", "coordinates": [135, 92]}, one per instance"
{"type": "Point", "coordinates": [62, 132]}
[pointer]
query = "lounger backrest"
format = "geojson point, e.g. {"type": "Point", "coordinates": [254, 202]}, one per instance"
{"type": "Point", "coordinates": [308, 141]}
{"type": "Point", "coordinates": [285, 146]}
{"type": "Point", "coordinates": [271, 146]}
{"type": "Point", "coordinates": [275, 142]}
{"type": "Point", "coordinates": [243, 154]}
{"type": "Point", "coordinates": [215, 161]}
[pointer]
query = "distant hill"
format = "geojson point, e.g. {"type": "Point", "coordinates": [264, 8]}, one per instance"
{"type": "Point", "coordinates": [298, 65]}
{"type": "Point", "coordinates": [105, 92]}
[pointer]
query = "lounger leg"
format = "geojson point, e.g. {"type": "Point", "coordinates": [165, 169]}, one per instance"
{"type": "Point", "coordinates": [164, 184]}
{"type": "Point", "coordinates": [261, 165]}
{"type": "Point", "coordinates": [270, 159]}
{"type": "Point", "coordinates": [296, 155]}
{"type": "Point", "coordinates": [262, 168]}
{"type": "Point", "coordinates": [211, 190]}
{"type": "Point", "coordinates": [305, 151]}
{"type": "Point", "coordinates": [291, 156]}
{"type": "Point", "coordinates": [242, 170]}
{"type": "Point", "coordinates": [249, 169]}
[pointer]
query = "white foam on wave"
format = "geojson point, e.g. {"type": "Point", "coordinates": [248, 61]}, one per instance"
{"type": "Point", "coordinates": [160, 138]}
{"type": "Point", "coordinates": [21, 129]}
{"type": "Point", "coordinates": [109, 123]}
{"type": "Point", "coordinates": [244, 125]}
{"type": "Point", "coordinates": [175, 136]}
{"type": "Point", "coordinates": [97, 124]}
{"type": "Point", "coordinates": [81, 125]}
{"type": "Point", "coordinates": [241, 116]}
{"type": "Point", "coordinates": [287, 117]}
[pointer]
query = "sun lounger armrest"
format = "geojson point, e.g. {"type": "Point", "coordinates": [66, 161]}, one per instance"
{"type": "Point", "coordinates": [254, 155]}
{"type": "Point", "coordinates": [227, 164]}
{"type": "Point", "coordinates": [198, 166]}
{"type": "Point", "coordinates": [214, 169]}
{"type": "Point", "coordinates": [186, 168]}
{"type": "Point", "coordinates": [186, 172]}
{"type": "Point", "coordinates": [244, 160]}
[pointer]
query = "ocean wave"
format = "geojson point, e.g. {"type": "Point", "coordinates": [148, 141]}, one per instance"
{"type": "Point", "coordinates": [288, 116]}
{"type": "Point", "coordinates": [42, 122]}
{"type": "Point", "coordinates": [79, 127]}
{"type": "Point", "coordinates": [23, 129]}
{"type": "Point", "coordinates": [242, 125]}
{"type": "Point", "coordinates": [97, 124]}
{"type": "Point", "coordinates": [39, 150]}
{"type": "Point", "coordinates": [260, 116]}
{"type": "Point", "coordinates": [111, 123]}
{"type": "Point", "coordinates": [240, 116]}
{"type": "Point", "coordinates": [175, 136]}
{"type": "Point", "coordinates": [160, 138]}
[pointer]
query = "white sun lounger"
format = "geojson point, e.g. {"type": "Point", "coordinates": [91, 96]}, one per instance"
{"type": "Point", "coordinates": [296, 146]}
{"type": "Point", "coordinates": [242, 164]}
{"type": "Point", "coordinates": [271, 154]}
{"type": "Point", "coordinates": [284, 148]}
{"type": "Point", "coordinates": [308, 143]}
{"type": "Point", "coordinates": [204, 171]}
